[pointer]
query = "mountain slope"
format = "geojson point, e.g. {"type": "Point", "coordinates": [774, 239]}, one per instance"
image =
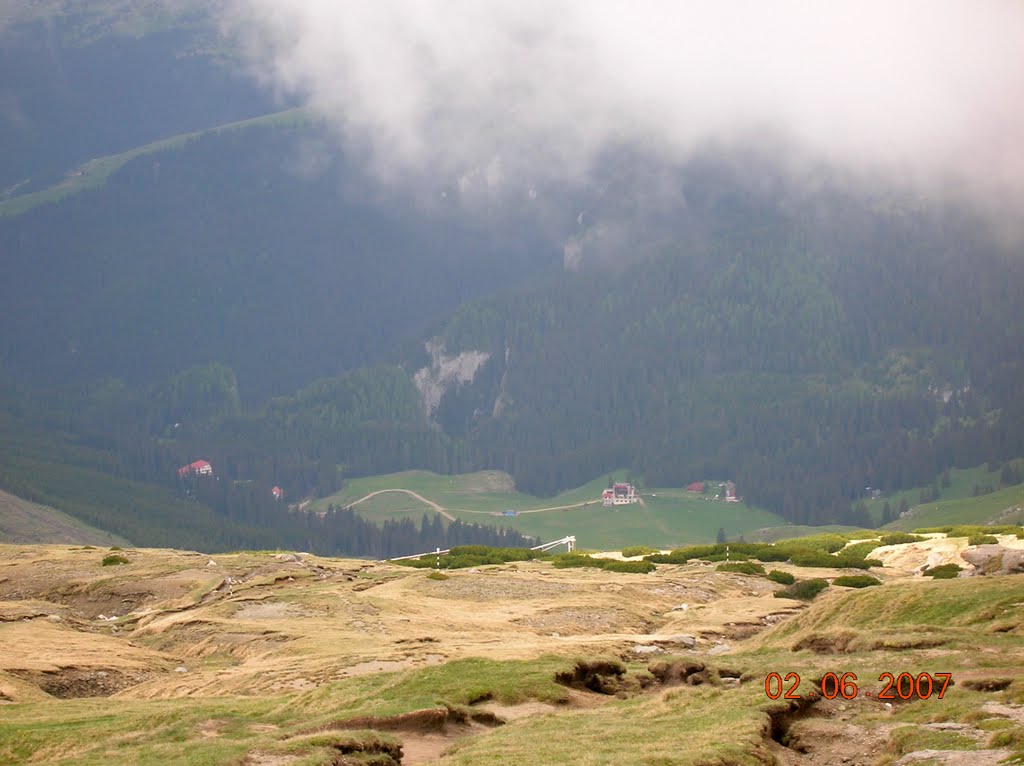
{"type": "Point", "coordinates": [25, 522]}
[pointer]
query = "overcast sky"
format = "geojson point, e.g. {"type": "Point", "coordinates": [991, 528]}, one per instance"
{"type": "Point", "coordinates": [923, 91]}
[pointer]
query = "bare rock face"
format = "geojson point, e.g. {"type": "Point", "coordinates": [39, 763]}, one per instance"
{"type": "Point", "coordinates": [446, 372]}
{"type": "Point", "coordinates": [995, 560]}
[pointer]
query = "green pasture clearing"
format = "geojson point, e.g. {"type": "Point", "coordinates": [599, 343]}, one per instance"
{"type": "Point", "coordinates": [94, 173]}
{"type": "Point", "coordinates": [962, 482]}
{"type": "Point", "coordinates": [480, 493]}
{"type": "Point", "coordinates": [968, 510]}
{"type": "Point", "coordinates": [394, 507]}
{"type": "Point", "coordinates": [666, 518]}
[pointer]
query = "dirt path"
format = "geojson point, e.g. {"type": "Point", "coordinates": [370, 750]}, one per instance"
{"type": "Point", "coordinates": [409, 492]}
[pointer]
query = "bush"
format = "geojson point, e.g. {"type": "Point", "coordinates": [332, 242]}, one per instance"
{"type": "Point", "coordinates": [730, 556]}
{"type": "Point", "coordinates": [573, 560]}
{"type": "Point", "coordinates": [813, 558]}
{"type": "Point", "coordinates": [772, 553]}
{"type": "Point", "coordinates": [437, 576]}
{"type": "Point", "coordinates": [637, 550]}
{"type": "Point", "coordinates": [860, 550]}
{"type": "Point", "coordinates": [741, 567]}
{"type": "Point", "coordinates": [982, 540]}
{"type": "Point", "coordinates": [830, 543]}
{"type": "Point", "coordinates": [463, 556]}
{"type": "Point", "coordinates": [114, 559]}
{"type": "Point", "coordinates": [970, 530]}
{"type": "Point", "coordinates": [856, 581]}
{"type": "Point", "coordinates": [783, 578]}
{"type": "Point", "coordinates": [944, 572]}
{"type": "Point", "coordinates": [899, 538]}
{"type": "Point", "coordinates": [804, 590]}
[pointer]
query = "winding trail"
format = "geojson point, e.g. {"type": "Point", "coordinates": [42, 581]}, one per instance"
{"type": "Point", "coordinates": [409, 492]}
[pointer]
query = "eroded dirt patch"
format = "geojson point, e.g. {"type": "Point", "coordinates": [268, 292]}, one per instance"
{"type": "Point", "coordinates": [826, 644]}
{"type": "Point", "coordinates": [75, 683]}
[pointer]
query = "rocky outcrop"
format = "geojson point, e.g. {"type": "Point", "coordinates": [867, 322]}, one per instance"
{"type": "Point", "coordinates": [994, 560]}
{"type": "Point", "coordinates": [446, 372]}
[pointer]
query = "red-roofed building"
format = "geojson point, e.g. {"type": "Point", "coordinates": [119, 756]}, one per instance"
{"type": "Point", "coordinates": [277, 492]}
{"type": "Point", "coordinates": [198, 468]}
{"type": "Point", "coordinates": [697, 486]}
{"type": "Point", "coordinates": [620, 494]}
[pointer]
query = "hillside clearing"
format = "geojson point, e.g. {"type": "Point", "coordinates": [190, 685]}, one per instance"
{"type": "Point", "coordinates": [25, 522]}
{"type": "Point", "coordinates": [665, 517]}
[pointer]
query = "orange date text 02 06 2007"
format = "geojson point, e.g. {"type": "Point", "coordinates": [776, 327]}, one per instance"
{"type": "Point", "coordinates": [902, 686]}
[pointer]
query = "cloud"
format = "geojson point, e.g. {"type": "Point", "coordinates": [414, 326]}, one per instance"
{"type": "Point", "coordinates": [928, 92]}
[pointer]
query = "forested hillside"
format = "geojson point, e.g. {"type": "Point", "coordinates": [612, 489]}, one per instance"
{"type": "Point", "coordinates": [101, 79]}
{"type": "Point", "coordinates": [808, 359]}
{"type": "Point", "coordinates": [235, 249]}
{"type": "Point", "coordinates": [255, 297]}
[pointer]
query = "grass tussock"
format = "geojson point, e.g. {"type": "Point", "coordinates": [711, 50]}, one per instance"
{"type": "Point", "coordinates": [803, 590]}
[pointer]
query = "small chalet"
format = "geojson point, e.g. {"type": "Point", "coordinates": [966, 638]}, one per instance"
{"type": "Point", "coordinates": [619, 494]}
{"type": "Point", "coordinates": [277, 492]}
{"type": "Point", "coordinates": [198, 468]}
{"type": "Point", "coordinates": [697, 486]}
{"type": "Point", "coordinates": [730, 493]}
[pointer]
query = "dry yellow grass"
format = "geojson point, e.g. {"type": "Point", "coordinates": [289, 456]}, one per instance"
{"type": "Point", "coordinates": [228, 659]}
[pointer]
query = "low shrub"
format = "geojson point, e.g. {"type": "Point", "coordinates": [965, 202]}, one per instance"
{"type": "Point", "coordinates": [944, 572]}
{"type": "Point", "coordinates": [464, 556]}
{"type": "Point", "coordinates": [114, 559]}
{"type": "Point", "coordinates": [437, 576]}
{"type": "Point", "coordinates": [572, 560]}
{"type": "Point", "coordinates": [898, 538]}
{"type": "Point", "coordinates": [811, 558]}
{"type": "Point", "coordinates": [637, 550]}
{"type": "Point", "coordinates": [830, 543]}
{"type": "Point", "coordinates": [969, 530]}
{"type": "Point", "coordinates": [804, 590]}
{"type": "Point", "coordinates": [771, 553]}
{"type": "Point", "coordinates": [741, 567]}
{"type": "Point", "coordinates": [783, 578]}
{"type": "Point", "coordinates": [982, 540]}
{"type": "Point", "coordinates": [860, 550]}
{"type": "Point", "coordinates": [856, 581]}
{"type": "Point", "coordinates": [716, 557]}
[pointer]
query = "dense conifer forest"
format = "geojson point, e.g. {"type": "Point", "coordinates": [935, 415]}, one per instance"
{"type": "Point", "coordinates": [252, 298]}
